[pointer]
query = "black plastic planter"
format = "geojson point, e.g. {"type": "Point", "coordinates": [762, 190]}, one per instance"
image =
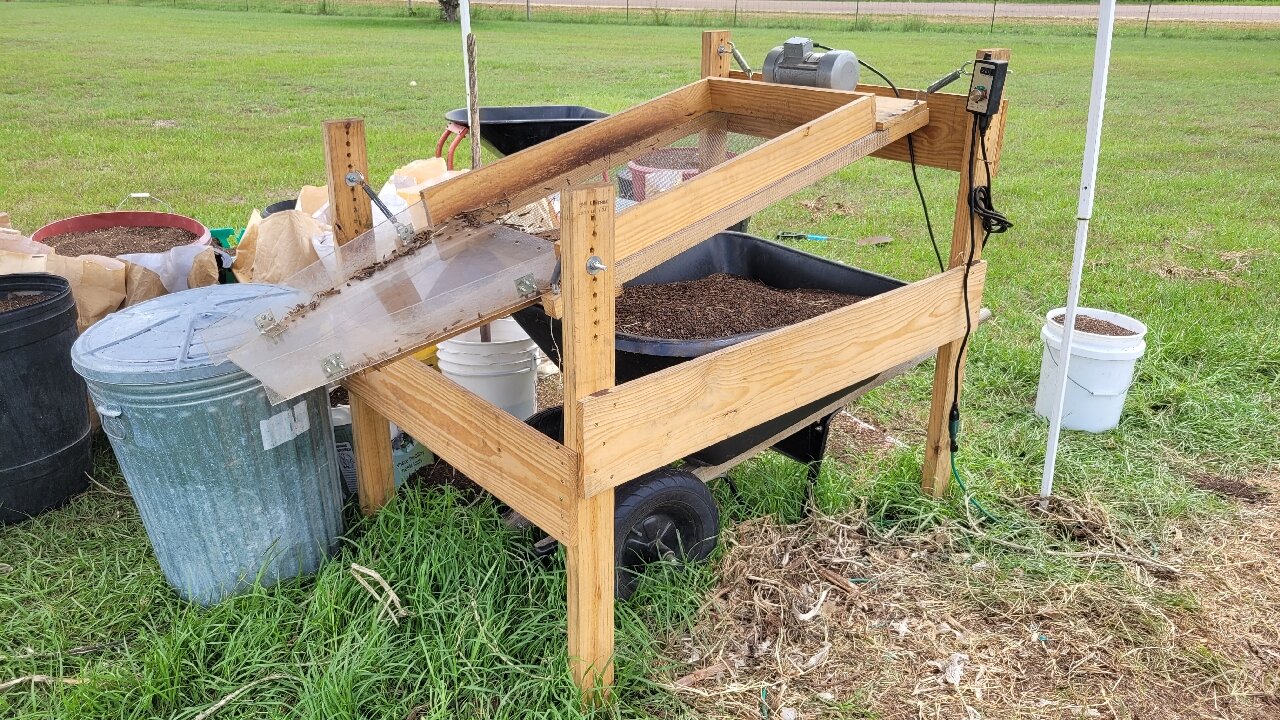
{"type": "Point", "coordinates": [44, 413]}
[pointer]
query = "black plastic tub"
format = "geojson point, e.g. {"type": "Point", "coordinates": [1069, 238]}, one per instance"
{"type": "Point", "coordinates": [744, 256]}
{"type": "Point", "coordinates": [279, 206]}
{"type": "Point", "coordinates": [44, 412]}
{"type": "Point", "coordinates": [506, 130]}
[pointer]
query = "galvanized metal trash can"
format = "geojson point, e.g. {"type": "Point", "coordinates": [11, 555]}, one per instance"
{"type": "Point", "coordinates": [232, 490]}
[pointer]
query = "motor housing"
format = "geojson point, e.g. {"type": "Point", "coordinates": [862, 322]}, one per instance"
{"type": "Point", "coordinates": [795, 63]}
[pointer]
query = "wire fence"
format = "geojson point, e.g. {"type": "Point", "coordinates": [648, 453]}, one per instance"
{"type": "Point", "coordinates": [1150, 18]}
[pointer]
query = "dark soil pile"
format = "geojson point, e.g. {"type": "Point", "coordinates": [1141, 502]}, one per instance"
{"type": "Point", "coordinates": [339, 396]}
{"type": "Point", "coordinates": [120, 241]}
{"type": "Point", "coordinates": [719, 306]}
{"type": "Point", "coordinates": [1084, 323]}
{"type": "Point", "coordinates": [442, 473]}
{"type": "Point", "coordinates": [13, 302]}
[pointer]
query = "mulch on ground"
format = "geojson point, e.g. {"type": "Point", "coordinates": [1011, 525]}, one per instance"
{"type": "Point", "coordinates": [719, 306]}
{"type": "Point", "coordinates": [13, 302]}
{"type": "Point", "coordinates": [1084, 323]}
{"type": "Point", "coordinates": [120, 240]}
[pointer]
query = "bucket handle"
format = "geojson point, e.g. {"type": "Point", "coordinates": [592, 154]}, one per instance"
{"type": "Point", "coordinates": [1057, 363]}
{"type": "Point", "coordinates": [144, 196]}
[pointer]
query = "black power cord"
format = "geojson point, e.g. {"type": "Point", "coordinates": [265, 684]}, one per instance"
{"type": "Point", "coordinates": [911, 154]}
{"type": "Point", "coordinates": [993, 223]}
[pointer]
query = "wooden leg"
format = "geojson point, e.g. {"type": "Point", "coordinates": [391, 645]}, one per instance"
{"type": "Point", "coordinates": [591, 578]}
{"type": "Point", "coordinates": [586, 280]}
{"type": "Point", "coordinates": [966, 246]}
{"type": "Point", "coordinates": [375, 477]}
{"type": "Point", "coordinates": [937, 451]}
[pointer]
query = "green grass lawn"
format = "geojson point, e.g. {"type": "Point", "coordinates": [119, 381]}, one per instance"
{"type": "Point", "coordinates": [1184, 238]}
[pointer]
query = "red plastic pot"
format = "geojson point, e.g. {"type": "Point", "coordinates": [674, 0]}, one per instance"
{"type": "Point", "coordinates": [123, 218]}
{"type": "Point", "coordinates": [683, 160]}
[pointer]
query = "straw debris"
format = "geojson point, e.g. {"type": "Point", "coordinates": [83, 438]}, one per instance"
{"type": "Point", "coordinates": [833, 617]}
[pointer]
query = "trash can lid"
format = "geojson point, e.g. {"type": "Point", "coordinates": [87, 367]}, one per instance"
{"type": "Point", "coordinates": [163, 340]}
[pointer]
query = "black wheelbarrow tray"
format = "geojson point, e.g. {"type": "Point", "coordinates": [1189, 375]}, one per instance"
{"type": "Point", "coordinates": [800, 434]}
{"type": "Point", "coordinates": [507, 130]}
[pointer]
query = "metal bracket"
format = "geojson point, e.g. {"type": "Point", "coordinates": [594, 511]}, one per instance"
{"type": "Point", "coordinates": [526, 286]}
{"type": "Point", "coordinates": [267, 324]}
{"type": "Point", "coordinates": [333, 366]}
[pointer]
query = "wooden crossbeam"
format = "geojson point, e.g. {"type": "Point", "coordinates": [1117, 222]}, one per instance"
{"type": "Point", "coordinates": [518, 464]}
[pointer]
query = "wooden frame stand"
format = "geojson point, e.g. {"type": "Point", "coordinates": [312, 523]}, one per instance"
{"type": "Point", "coordinates": [614, 433]}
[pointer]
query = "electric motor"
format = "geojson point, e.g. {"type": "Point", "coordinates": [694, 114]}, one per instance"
{"type": "Point", "coordinates": [795, 63]}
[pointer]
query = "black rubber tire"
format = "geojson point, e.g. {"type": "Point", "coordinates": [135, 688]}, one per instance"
{"type": "Point", "coordinates": [666, 514]}
{"type": "Point", "coordinates": [549, 422]}
{"type": "Point", "coordinates": [668, 496]}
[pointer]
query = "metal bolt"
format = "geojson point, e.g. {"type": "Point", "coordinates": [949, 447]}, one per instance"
{"type": "Point", "coordinates": [595, 265]}
{"type": "Point", "coordinates": [353, 178]}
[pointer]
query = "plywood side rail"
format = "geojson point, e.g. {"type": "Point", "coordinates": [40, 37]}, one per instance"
{"type": "Point", "coordinates": [541, 170]}
{"type": "Point", "coordinates": [518, 464]}
{"type": "Point", "coordinates": [696, 404]}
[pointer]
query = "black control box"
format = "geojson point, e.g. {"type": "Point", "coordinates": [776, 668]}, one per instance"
{"type": "Point", "coordinates": [987, 86]}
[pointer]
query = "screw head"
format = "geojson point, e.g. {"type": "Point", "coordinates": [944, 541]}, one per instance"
{"type": "Point", "coordinates": [595, 265]}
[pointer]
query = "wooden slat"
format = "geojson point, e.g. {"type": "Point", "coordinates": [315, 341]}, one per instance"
{"type": "Point", "coordinates": [891, 114]}
{"type": "Point", "coordinates": [707, 473]}
{"type": "Point", "coordinates": [350, 209]}
{"type": "Point", "coordinates": [518, 179]}
{"type": "Point", "coordinates": [788, 103]}
{"type": "Point", "coordinates": [586, 232]}
{"type": "Point", "coordinates": [966, 246]}
{"type": "Point", "coordinates": [726, 185]}
{"type": "Point", "coordinates": [524, 468]}
{"type": "Point", "coordinates": [660, 418]}
{"type": "Point", "coordinates": [938, 144]}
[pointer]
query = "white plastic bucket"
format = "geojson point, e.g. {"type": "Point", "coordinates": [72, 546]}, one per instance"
{"type": "Point", "coordinates": [503, 371]}
{"type": "Point", "coordinates": [1099, 375]}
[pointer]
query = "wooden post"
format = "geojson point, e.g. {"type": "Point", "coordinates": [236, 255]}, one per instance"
{"type": "Point", "coordinates": [344, 151]}
{"type": "Point", "coordinates": [712, 142]}
{"type": "Point", "coordinates": [937, 452]}
{"type": "Point", "coordinates": [714, 62]}
{"type": "Point", "coordinates": [352, 213]}
{"type": "Point", "coordinates": [586, 240]}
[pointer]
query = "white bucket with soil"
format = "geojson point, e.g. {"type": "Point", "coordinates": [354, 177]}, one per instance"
{"type": "Point", "coordinates": [1104, 353]}
{"type": "Point", "coordinates": [503, 371]}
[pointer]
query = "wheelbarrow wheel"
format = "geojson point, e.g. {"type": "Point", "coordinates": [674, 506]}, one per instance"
{"type": "Point", "coordinates": [665, 516]}
{"type": "Point", "coordinates": [549, 422]}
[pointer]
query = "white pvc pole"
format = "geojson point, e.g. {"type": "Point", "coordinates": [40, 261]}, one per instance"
{"type": "Point", "coordinates": [1084, 211]}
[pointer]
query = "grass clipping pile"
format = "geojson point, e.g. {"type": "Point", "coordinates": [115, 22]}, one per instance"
{"type": "Point", "coordinates": [831, 618]}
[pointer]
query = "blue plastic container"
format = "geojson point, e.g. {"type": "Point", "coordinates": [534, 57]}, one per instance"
{"type": "Point", "coordinates": [232, 490]}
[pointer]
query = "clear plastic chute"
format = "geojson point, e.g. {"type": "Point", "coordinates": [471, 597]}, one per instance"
{"type": "Point", "coordinates": [399, 287]}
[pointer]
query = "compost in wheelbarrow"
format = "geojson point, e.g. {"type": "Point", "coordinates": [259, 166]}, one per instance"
{"type": "Point", "coordinates": [749, 257]}
{"type": "Point", "coordinates": [511, 129]}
